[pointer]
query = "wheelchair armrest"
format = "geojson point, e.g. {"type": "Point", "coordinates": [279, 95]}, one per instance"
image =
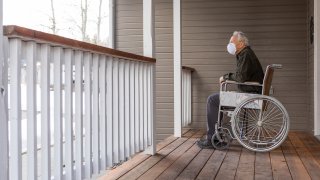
{"type": "Point", "coordinates": [249, 83]}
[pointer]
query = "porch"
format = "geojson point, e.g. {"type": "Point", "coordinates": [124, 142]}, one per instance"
{"type": "Point", "coordinates": [181, 158]}
{"type": "Point", "coordinates": [98, 107]}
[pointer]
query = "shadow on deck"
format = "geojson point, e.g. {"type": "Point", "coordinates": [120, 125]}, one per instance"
{"type": "Point", "coordinates": [180, 158]}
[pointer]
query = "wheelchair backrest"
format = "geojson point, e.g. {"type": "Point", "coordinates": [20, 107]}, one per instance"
{"type": "Point", "coordinates": [268, 76]}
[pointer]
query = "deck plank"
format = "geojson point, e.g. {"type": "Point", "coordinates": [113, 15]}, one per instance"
{"type": "Point", "coordinates": [179, 165]}
{"type": "Point", "coordinates": [161, 166]}
{"type": "Point", "coordinates": [136, 160]}
{"type": "Point", "coordinates": [295, 165]}
{"type": "Point", "coordinates": [181, 158]}
{"type": "Point", "coordinates": [262, 168]}
{"type": "Point", "coordinates": [230, 164]}
{"type": "Point", "coordinates": [195, 166]}
{"type": "Point", "coordinates": [279, 166]}
{"type": "Point", "coordinates": [312, 143]}
{"type": "Point", "coordinates": [150, 162]}
{"type": "Point", "coordinates": [211, 168]}
{"type": "Point", "coordinates": [306, 157]}
{"type": "Point", "coordinates": [245, 169]}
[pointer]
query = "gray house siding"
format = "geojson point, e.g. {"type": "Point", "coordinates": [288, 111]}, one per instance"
{"type": "Point", "coordinates": [277, 33]}
{"type": "Point", "coordinates": [277, 30]}
{"type": "Point", "coordinates": [129, 34]}
{"type": "Point", "coordinates": [129, 37]}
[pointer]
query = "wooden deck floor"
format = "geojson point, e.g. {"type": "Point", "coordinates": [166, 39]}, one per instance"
{"type": "Point", "coordinates": [180, 158]}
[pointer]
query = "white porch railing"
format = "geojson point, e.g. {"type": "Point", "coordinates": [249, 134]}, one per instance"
{"type": "Point", "coordinates": [186, 78]}
{"type": "Point", "coordinates": [74, 108]}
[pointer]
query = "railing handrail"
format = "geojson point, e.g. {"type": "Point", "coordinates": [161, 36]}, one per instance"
{"type": "Point", "coordinates": [30, 34]}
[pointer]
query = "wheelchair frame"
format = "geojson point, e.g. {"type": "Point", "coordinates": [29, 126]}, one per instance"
{"type": "Point", "coordinates": [259, 122]}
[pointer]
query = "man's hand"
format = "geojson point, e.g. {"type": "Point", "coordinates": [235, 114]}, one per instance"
{"type": "Point", "coordinates": [222, 79]}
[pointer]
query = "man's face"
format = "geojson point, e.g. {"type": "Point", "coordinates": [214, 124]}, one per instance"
{"type": "Point", "coordinates": [239, 45]}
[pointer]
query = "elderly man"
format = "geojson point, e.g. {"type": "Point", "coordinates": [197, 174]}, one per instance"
{"type": "Point", "coordinates": [248, 69]}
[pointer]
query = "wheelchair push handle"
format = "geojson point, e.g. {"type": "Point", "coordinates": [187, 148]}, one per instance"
{"type": "Point", "coordinates": [276, 66]}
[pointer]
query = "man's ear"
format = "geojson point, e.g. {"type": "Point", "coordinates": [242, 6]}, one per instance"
{"type": "Point", "coordinates": [241, 45]}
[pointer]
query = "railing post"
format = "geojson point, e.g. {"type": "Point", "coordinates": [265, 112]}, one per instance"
{"type": "Point", "coordinates": [149, 51]}
{"type": "Point", "coordinates": [4, 143]}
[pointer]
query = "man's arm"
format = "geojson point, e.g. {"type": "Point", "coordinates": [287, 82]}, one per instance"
{"type": "Point", "coordinates": [241, 74]}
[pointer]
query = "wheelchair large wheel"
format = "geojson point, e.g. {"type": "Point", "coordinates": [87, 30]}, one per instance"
{"type": "Point", "coordinates": [260, 123]}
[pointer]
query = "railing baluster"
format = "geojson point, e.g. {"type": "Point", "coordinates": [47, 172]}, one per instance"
{"type": "Point", "coordinates": [110, 143]}
{"type": "Point", "coordinates": [102, 117]}
{"type": "Point", "coordinates": [68, 58]}
{"type": "Point", "coordinates": [79, 114]}
{"type": "Point", "coordinates": [149, 81]}
{"type": "Point", "coordinates": [45, 112]}
{"type": "Point", "coordinates": [95, 114]}
{"type": "Point", "coordinates": [186, 96]}
{"type": "Point", "coordinates": [183, 97]}
{"type": "Point", "coordinates": [145, 106]}
{"type": "Point", "coordinates": [58, 133]}
{"type": "Point", "coordinates": [132, 108]}
{"type": "Point", "coordinates": [127, 131]}
{"type": "Point", "coordinates": [32, 110]}
{"type": "Point", "coordinates": [4, 130]}
{"type": "Point", "coordinates": [115, 110]}
{"type": "Point", "coordinates": [190, 97]}
{"type": "Point", "coordinates": [137, 105]}
{"type": "Point", "coordinates": [88, 114]}
{"type": "Point", "coordinates": [15, 111]}
{"type": "Point", "coordinates": [141, 108]}
{"type": "Point", "coordinates": [121, 111]}
{"type": "Point", "coordinates": [186, 99]}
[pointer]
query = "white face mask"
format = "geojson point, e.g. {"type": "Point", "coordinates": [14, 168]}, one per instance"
{"type": "Point", "coordinates": [232, 48]}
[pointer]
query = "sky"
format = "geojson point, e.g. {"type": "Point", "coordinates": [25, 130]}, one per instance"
{"type": "Point", "coordinates": [35, 14]}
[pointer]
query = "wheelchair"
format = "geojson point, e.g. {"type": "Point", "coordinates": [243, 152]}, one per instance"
{"type": "Point", "coordinates": [259, 122]}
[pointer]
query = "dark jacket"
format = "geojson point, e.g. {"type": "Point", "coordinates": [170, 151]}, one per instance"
{"type": "Point", "coordinates": [248, 69]}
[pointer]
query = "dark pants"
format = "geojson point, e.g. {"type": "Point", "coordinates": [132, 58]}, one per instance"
{"type": "Point", "coordinates": [212, 113]}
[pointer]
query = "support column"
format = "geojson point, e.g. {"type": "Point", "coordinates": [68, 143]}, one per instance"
{"type": "Point", "coordinates": [177, 67]}
{"type": "Point", "coordinates": [4, 155]}
{"type": "Point", "coordinates": [149, 51]}
{"type": "Point", "coordinates": [316, 67]}
{"type": "Point", "coordinates": [111, 24]}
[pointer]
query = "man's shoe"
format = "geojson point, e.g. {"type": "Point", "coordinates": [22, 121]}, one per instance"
{"type": "Point", "coordinates": [205, 144]}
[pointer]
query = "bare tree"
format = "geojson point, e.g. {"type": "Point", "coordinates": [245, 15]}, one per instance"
{"type": "Point", "coordinates": [97, 38]}
{"type": "Point", "coordinates": [84, 19]}
{"type": "Point", "coordinates": [53, 26]}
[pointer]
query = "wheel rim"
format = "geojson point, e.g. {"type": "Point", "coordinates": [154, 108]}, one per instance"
{"type": "Point", "coordinates": [260, 123]}
{"type": "Point", "coordinates": [224, 144]}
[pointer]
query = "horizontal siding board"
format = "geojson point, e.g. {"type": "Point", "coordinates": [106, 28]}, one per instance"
{"type": "Point", "coordinates": [277, 30]}
{"type": "Point", "coordinates": [277, 33]}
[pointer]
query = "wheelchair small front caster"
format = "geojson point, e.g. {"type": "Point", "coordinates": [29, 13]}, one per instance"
{"type": "Point", "coordinates": [221, 143]}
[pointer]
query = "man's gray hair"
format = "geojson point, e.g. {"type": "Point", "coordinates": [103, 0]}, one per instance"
{"type": "Point", "coordinates": [241, 37]}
